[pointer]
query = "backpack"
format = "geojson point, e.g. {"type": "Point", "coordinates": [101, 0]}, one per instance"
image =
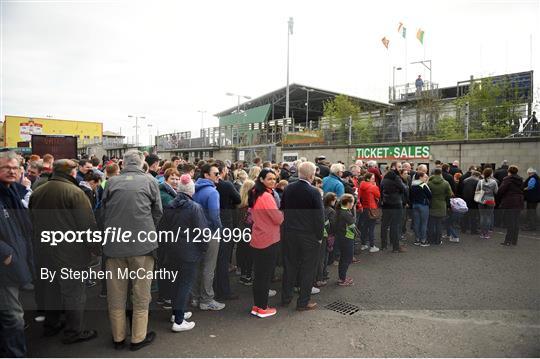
{"type": "Point", "coordinates": [458, 205]}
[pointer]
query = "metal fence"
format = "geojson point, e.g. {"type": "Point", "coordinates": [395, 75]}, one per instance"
{"type": "Point", "coordinates": [427, 120]}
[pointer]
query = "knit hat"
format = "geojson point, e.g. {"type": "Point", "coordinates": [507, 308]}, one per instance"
{"type": "Point", "coordinates": [186, 185]}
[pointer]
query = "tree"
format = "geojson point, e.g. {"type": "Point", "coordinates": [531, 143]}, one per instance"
{"type": "Point", "coordinates": [494, 109]}
{"type": "Point", "coordinates": [448, 128]}
{"type": "Point", "coordinates": [339, 110]}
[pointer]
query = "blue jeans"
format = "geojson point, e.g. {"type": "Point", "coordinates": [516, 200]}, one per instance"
{"type": "Point", "coordinates": [368, 229]}
{"type": "Point", "coordinates": [452, 224]}
{"type": "Point", "coordinates": [486, 217]}
{"type": "Point", "coordinates": [182, 287]}
{"type": "Point", "coordinates": [12, 341]}
{"type": "Point", "coordinates": [420, 221]}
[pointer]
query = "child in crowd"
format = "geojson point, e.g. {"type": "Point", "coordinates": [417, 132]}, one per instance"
{"type": "Point", "coordinates": [345, 231]}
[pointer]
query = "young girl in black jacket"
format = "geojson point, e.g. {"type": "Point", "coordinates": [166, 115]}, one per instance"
{"type": "Point", "coordinates": [345, 232]}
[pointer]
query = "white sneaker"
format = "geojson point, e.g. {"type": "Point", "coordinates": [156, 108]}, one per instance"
{"type": "Point", "coordinates": [195, 303]}
{"type": "Point", "coordinates": [373, 249]}
{"type": "Point", "coordinates": [271, 292]}
{"type": "Point", "coordinates": [454, 239]}
{"type": "Point", "coordinates": [364, 247]}
{"type": "Point", "coordinates": [187, 315]}
{"type": "Point", "coordinates": [315, 290]}
{"type": "Point", "coordinates": [213, 305]}
{"type": "Point", "coordinates": [182, 327]}
{"type": "Point", "coordinates": [39, 319]}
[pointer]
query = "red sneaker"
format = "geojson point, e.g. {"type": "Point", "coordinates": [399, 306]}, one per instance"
{"type": "Point", "coordinates": [268, 312]}
{"type": "Point", "coordinates": [254, 310]}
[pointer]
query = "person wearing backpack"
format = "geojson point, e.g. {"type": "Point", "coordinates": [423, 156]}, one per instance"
{"type": "Point", "coordinates": [327, 244]}
{"type": "Point", "coordinates": [345, 231]}
{"type": "Point", "coordinates": [486, 189]}
{"type": "Point", "coordinates": [458, 208]}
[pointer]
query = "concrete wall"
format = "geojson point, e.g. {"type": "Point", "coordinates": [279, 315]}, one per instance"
{"type": "Point", "coordinates": [522, 152]}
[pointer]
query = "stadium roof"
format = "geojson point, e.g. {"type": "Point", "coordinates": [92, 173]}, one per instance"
{"type": "Point", "coordinates": [297, 100]}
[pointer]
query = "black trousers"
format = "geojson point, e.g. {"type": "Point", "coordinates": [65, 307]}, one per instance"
{"type": "Point", "coordinates": [68, 295]}
{"type": "Point", "coordinates": [391, 220]}
{"type": "Point", "coordinates": [531, 215]}
{"type": "Point", "coordinates": [222, 286]}
{"type": "Point", "coordinates": [511, 219]}
{"type": "Point", "coordinates": [244, 258]}
{"type": "Point", "coordinates": [264, 261]}
{"type": "Point", "coordinates": [300, 257]}
{"type": "Point", "coordinates": [471, 218]}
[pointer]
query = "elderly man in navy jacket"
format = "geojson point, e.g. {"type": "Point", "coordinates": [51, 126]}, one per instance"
{"type": "Point", "coordinates": [302, 235]}
{"type": "Point", "coordinates": [16, 259]}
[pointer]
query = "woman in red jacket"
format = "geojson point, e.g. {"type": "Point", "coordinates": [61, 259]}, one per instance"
{"type": "Point", "coordinates": [265, 235]}
{"type": "Point", "coordinates": [369, 197]}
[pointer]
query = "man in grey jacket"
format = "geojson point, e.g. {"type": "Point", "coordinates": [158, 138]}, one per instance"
{"type": "Point", "coordinates": [131, 202]}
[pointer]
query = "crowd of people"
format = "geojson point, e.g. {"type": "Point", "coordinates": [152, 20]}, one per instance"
{"type": "Point", "coordinates": [303, 217]}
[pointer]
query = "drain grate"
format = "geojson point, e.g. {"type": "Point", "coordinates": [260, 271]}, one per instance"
{"type": "Point", "coordinates": [343, 307]}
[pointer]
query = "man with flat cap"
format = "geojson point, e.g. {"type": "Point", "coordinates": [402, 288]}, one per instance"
{"type": "Point", "coordinates": [61, 205]}
{"type": "Point", "coordinates": [324, 171]}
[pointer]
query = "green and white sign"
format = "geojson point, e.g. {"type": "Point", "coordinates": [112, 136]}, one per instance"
{"type": "Point", "coordinates": [393, 152]}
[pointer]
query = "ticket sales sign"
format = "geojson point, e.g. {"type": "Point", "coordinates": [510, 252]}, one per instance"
{"type": "Point", "coordinates": [393, 152]}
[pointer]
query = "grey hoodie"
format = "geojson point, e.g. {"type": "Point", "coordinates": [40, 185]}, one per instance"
{"type": "Point", "coordinates": [489, 187]}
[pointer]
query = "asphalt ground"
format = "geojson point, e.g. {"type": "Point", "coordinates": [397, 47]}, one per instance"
{"type": "Point", "coordinates": [472, 299]}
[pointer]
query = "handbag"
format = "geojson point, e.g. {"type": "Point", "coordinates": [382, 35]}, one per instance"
{"type": "Point", "coordinates": [479, 194]}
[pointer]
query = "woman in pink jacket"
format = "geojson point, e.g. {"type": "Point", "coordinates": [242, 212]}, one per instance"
{"type": "Point", "coordinates": [265, 235]}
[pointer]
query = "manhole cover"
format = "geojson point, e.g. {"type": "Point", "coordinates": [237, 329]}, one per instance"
{"type": "Point", "coordinates": [343, 307]}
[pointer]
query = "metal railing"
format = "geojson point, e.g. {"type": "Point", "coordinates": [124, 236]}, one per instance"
{"type": "Point", "coordinates": [409, 92]}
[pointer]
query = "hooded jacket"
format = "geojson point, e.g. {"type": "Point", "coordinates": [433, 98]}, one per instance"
{"type": "Point", "coordinates": [510, 194]}
{"type": "Point", "coordinates": [369, 194]}
{"type": "Point", "coordinates": [392, 189]}
{"type": "Point", "coordinates": [533, 194]}
{"type": "Point", "coordinates": [207, 196]}
{"type": "Point", "coordinates": [333, 183]}
{"type": "Point", "coordinates": [185, 217]}
{"type": "Point", "coordinates": [420, 193]}
{"type": "Point", "coordinates": [440, 194]}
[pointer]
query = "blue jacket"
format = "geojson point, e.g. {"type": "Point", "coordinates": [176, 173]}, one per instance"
{"type": "Point", "coordinates": [184, 217]}
{"type": "Point", "coordinates": [334, 184]}
{"type": "Point", "coordinates": [207, 196]}
{"type": "Point", "coordinates": [15, 240]}
{"type": "Point", "coordinates": [420, 193]}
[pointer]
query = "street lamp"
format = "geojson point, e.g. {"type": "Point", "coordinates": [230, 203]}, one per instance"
{"type": "Point", "coordinates": [137, 127]}
{"type": "Point", "coordinates": [394, 68]}
{"type": "Point", "coordinates": [307, 103]}
{"type": "Point", "coordinates": [150, 134]}
{"type": "Point", "coordinates": [289, 32]}
{"type": "Point", "coordinates": [238, 96]}
{"type": "Point", "coordinates": [202, 112]}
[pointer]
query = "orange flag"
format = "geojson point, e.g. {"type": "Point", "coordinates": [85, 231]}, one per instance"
{"type": "Point", "coordinates": [385, 42]}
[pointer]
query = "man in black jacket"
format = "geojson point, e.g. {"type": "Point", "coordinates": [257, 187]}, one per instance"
{"type": "Point", "coordinates": [324, 171]}
{"type": "Point", "coordinates": [228, 199]}
{"type": "Point", "coordinates": [501, 172]}
{"type": "Point", "coordinates": [16, 259]}
{"type": "Point", "coordinates": [468, 189]}
{"type": "Point", "coordinates": [302, 236]}
{"type": "Point", "coordinates": [392, 189]}
{"type": "Point", "coordinates": [448, 177]}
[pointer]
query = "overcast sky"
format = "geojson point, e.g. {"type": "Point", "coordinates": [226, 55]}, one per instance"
{"type": "Point", "coordinates": [105, 60]}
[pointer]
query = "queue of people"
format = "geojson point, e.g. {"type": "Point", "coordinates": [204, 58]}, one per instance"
{"type": "Point", "coordinates": [302, 217]}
